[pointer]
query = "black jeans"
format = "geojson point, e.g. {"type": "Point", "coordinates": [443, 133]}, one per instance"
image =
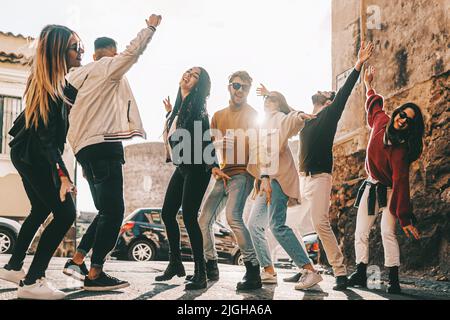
{"type": "Point", "coordinates": [186, 190]}
{"type": "Point", "coordinates": [44, 198]}
{"type": "Point", "coordinates": [105, 180]}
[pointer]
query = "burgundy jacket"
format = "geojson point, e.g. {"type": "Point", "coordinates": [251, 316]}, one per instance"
{"type": "Point", "coordinates": [388, 164]}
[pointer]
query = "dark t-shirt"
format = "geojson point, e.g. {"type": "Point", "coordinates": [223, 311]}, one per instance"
{"type": "Point", "coordinates": [102, 151]}
{"type": "Point", "coordinates": [317, 137]}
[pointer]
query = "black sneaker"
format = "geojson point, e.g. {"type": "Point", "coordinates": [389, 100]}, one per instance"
{"type": "Point", "coordinates": [294, 279]}
{"type": "Point", "coordinates": [104, 283]}
{"type": "Point", "coordinates": [341, 283]}
{"type": "Point", "coordinates": [75, 271]}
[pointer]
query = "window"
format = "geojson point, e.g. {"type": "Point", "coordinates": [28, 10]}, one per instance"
{"type": "Point", "coordinates": [155, 217]}
{"type": "Point", "coordinates": [10, 108]}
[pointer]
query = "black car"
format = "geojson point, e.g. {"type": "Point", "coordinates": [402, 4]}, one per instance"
{"type": "Point", "coordinates": [9, 230]}
{"type": "Point", "coordinates": [143, 238]}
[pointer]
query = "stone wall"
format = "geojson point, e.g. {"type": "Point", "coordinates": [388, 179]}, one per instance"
{"type": "Point", "coordinates": [413, 63]}
{"type": "Point", "coordinates": [146, 176]}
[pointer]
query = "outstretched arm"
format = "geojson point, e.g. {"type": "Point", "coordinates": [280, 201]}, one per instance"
{"type": "Point", "coordinates": [368, 78]}
{"type": "Point", "coordinates": [365, 52]}
{"type": "Point", "coordinates": [121, 63]}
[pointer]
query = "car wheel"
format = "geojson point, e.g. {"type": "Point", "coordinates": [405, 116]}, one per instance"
{"type": "Point", "coordinates": [7, 241]}
{"type": "Point", "coordinates": [142, 251]}
{"type": "Point", "coordinates": [238, 259]}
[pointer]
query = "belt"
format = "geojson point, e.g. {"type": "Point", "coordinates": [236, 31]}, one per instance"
{"type": "Point", "coordinates": [377, 191]}
{"type": "Point", "coordinates": [311, 173]}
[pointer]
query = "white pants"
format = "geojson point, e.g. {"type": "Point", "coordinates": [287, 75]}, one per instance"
{"type": "Point", "coordinates": [364, 224]}
{"type": "Point", "coordinates": [315, 195]}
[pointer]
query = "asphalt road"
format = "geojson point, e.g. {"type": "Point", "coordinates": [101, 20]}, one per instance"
{"type": "Point", "coordinates": [144, 287]}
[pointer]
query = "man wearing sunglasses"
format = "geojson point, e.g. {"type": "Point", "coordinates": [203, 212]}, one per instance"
{"type": "Point", "coordinates": [230, 127]}
{"type": "Point", "coordinates": [316, 164]}
{"type": "Point", "coordinates": [104, 113]}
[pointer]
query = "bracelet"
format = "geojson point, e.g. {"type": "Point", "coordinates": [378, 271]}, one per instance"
{"type": "Point", "coordinates": [152, 28]}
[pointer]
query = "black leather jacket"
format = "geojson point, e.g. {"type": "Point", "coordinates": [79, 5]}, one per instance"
{"type": "Point", "coordinates": [44, 143]}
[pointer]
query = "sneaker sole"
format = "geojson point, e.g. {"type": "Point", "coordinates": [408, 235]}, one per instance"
{"type": "Point", "coordinates": [73, 274]}
{"type": "Point", "coordinates": [310, 286]}
{"type": "Point", "coordinates": [30, 297]}
{"type": "Point", "coordinates": [110, 288]}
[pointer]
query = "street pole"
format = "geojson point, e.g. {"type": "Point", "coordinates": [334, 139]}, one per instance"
{"type": "Point", "coordinates": [363, 19]}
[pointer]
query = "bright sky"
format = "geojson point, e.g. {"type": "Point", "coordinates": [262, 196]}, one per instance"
{"type": "Point", "coordinates": [285, 44]}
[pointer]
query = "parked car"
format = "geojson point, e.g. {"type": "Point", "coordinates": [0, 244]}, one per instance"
{"type": "Point", "coordinates": [312, 246]}
{"type": "Point", "coordinates": [9, 230]}
{"type": "Point", "coordinates": [312, 249]}
{"type": "Point", "coordinates": [143, 238]}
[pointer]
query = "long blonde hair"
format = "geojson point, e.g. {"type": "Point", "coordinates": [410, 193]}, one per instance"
{"type": "Point", "coordinates": [283, 106]}
{"type": "Point", "coordinates": [48, 70]}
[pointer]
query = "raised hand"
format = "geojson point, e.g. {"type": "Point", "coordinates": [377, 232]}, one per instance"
{"type": "Point", "coordinates": [154, 20]}
{"type": "Point", "coordinates": [167, 105]}
{"type": "Point", "coordinates": [369, 76]}
{"type": "Point", "coordinates": [364, 54]}
{"type": "Point", "coordinates": [262, 91]}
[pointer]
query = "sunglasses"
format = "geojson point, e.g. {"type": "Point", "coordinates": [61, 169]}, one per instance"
{"type": "Point", "coordinates": [193, 74]}
{"type": "Point", "coordinates": [403, 115]}
{"type": "Point", "coordinates": [237, 86]}
{"type": "Point", "coordinates": [77, 47]}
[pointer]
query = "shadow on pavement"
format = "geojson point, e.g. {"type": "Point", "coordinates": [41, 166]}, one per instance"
{"type": "Point", "coordinates": [7, 290]}
{"type": "Point", "coordinates": [402, 296]}
{"type": "Point", "coordinates": [315, 293]}
{"type": "Point", "coordinates": [86, 294]}
{"type": "Point", "coordinates": [265, 293]}
{"type": "Point", "coordinates": [191, 295]}
{"type": "Point", "coordinates": [352, 295]}
{"type": "Point", "coordinates": [159, 287]}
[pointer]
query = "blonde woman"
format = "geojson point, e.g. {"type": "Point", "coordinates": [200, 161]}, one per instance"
{"type": "Point", "coordinates": [279, 184]}
{"type": "Point", "coordinates": [36, 152]}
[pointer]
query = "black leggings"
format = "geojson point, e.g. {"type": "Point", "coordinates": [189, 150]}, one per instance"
{"type": "Point", "coordinates": [186, 190]}
{"type": "Point", "coordinates": [44, 198]}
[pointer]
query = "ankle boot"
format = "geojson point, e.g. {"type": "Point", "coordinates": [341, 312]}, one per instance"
{"type": "Point", "coordinates": [359, 277]}
{"type": "Point", "coordinates": [394, 283]}
{"type": "Point", "coordinates": [175, 268]}
{"type": "Point", "coordinates": [212, 270]}
{"type": "Point", "coordinates": [252, 278]}
{"type": "Point", "coordinates": [199, 278]}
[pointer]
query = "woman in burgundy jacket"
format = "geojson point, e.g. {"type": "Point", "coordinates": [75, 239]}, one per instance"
{"type": "Point", "coordinates": [395, 142]}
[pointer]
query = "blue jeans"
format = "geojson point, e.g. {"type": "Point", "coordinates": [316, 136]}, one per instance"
{"type": "Point", "coordinates": [233, 199]}
{"type": "Point", "coordinates": [274, 216]}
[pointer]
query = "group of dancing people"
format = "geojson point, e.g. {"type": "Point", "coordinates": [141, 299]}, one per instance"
{"type": "Point", "coordinates": [97, 101]}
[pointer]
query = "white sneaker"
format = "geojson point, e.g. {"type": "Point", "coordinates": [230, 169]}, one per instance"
{"type": "Point", "coordinates": [309, 279]}
{"type": "Point", "coordinates": [11, 275]}
{"type": "Point", "coordinates": [41, 290]}
{"type": "Point", "coordinates": [268, 278]}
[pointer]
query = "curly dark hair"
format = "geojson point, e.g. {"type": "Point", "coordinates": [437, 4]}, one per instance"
{"type": "Point", "coordinates": [413, 135]}
{"type": "Point", "coordinates": [193, 108]}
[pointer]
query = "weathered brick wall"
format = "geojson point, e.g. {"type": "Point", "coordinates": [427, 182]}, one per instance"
{"type": "Point", "coordinates": [413, 63]}
{"type": "Point", "coordinates": [430, 186]}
